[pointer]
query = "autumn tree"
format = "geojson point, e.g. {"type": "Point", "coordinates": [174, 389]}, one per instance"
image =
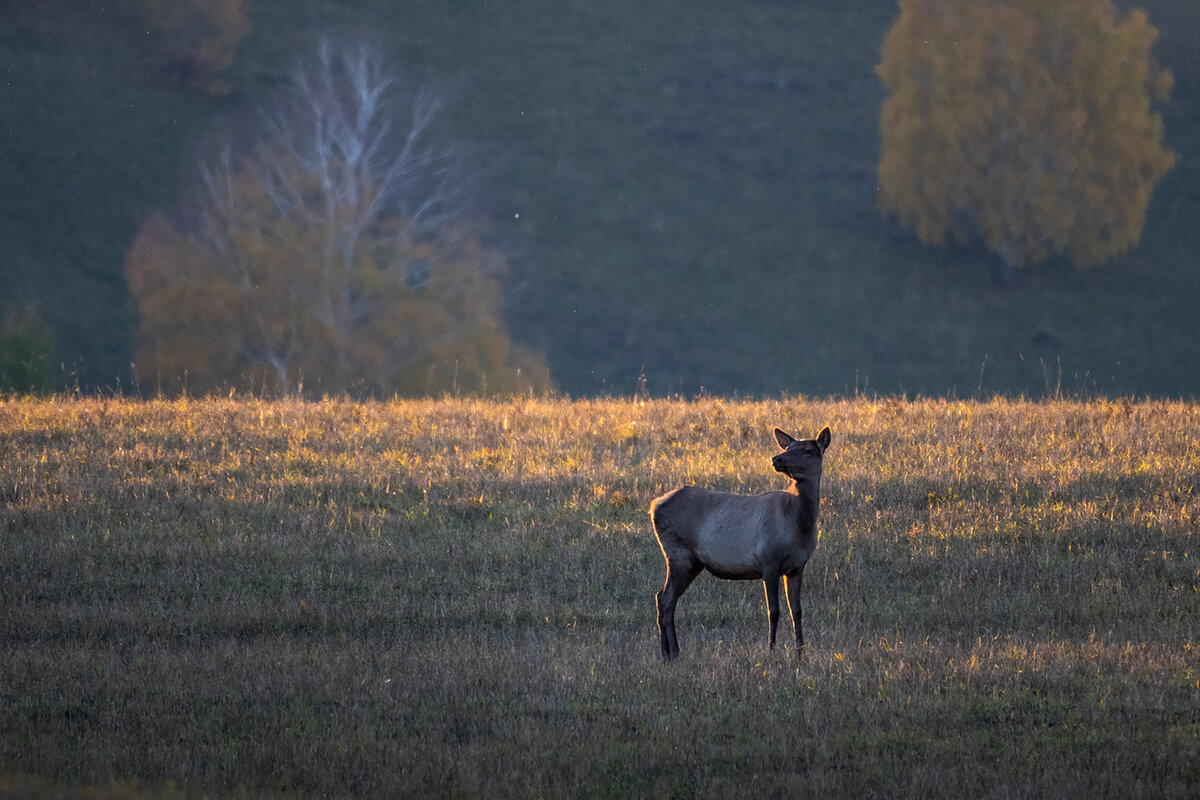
{"type": "Point", "coordinates": [1025, 124]}
{"type": "Point", "coordinates": [193, 41]}
{"type": "Point", "coordinates": [337, 255]}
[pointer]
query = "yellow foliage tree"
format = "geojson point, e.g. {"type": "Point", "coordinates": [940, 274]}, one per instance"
{"type": "Point", "coordinates": [194, 41]}
{"type": "Point", "coordinates": [1026, 124]}
{"type": "Point", "coordinates": [331, 259]}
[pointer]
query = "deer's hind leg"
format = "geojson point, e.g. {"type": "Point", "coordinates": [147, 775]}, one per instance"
{"type": "Point", "coordinates": [680, 574]}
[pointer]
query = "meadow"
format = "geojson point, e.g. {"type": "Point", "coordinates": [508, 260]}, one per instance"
{"type": "Point", "coordinates": [455, 598]}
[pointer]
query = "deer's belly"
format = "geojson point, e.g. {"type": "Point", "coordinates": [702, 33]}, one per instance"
{"type": "Point", "coordinates": [732, 558]}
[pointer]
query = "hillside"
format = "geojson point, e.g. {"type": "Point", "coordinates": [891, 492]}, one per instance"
{"type": "Point", "coordinates": [689, 189]}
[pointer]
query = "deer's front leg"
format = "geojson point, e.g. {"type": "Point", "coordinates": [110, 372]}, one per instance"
{"type": "Point", "coordinates": [771, 586]}
{"type": "Point", "coordinates": [792, 585]}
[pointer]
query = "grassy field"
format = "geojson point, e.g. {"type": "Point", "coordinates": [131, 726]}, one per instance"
{"type": "Point", "coordinates": [455, 598]}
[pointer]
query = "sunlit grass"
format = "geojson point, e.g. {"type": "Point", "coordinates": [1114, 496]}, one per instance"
{"type": "Point", "coordinates": [241, 597]}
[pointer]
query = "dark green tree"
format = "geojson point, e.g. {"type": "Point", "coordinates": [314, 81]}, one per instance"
{"type": "Point", "coordinates": [25, 350]}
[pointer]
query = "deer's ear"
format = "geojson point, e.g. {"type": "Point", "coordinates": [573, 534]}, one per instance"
{"type": "Point", "coordinates": [824, 438]}
{"type": "Point", "coordinates": [783, 439]}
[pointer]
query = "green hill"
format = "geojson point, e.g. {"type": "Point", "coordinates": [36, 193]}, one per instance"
{"type": "Point", "coordinates": [689, 188]}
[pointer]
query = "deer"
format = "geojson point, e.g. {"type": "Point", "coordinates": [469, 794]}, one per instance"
{"type": "Point", "coordinates": [743, 537]}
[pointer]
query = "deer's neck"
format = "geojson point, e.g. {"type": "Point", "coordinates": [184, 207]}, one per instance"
{"type": "Point", "coordinates": [807, 490]}
{"type": "Point", "coordinates": [806, 486]}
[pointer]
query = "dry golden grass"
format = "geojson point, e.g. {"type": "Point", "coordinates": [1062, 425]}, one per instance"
{"type": "Point", "coordinates": [455, 598]}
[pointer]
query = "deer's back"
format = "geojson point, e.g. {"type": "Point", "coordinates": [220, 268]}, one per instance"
{"type": "Point", "coordinates": [733, 535]}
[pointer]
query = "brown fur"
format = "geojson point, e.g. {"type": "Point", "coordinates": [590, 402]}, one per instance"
{"type": "Point", "coordinates": [739, 537]}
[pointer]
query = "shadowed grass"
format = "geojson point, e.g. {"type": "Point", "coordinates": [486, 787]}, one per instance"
{"type": "Point", "coordinates": [245, 598]}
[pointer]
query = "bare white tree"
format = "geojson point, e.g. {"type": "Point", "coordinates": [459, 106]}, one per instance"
{"type": "Point", "coordinates": [339, 232]}
{"type": "Point", "coordinates": [351, 124]}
